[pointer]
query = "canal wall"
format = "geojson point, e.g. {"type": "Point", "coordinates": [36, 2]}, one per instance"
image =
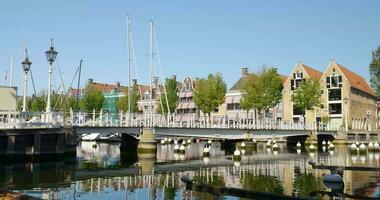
{"type": "Point", "coordinates": [35, 144]}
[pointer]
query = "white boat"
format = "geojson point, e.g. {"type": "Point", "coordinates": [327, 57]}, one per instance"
{"type": "Point", "coordinates": [90, 136]}
{"type": "Point", "coordinates": [111, 137]}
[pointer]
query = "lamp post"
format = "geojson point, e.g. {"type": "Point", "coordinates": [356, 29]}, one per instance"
{"type": "Point", "coordinates": [51, 54]}
{"type": "Point", "coordinates": [26, 67]}
{"type": "Point", "coordinates": [345, 100]}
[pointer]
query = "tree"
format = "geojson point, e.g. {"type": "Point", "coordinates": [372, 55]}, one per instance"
{"type": "Point", "coordinates": [170, 98]}
{"type": "Point", "coordinates": [262, 90]}
{"type": "Point", "coordinates": [37, 104]}
{"type": "Point", "coordinates": [247, 91]}
{"type": "Point", "coordinates": [122, 102]}
{"type": "Point", "coordinates": [374, 71]}
{"type": "Point", "coordinates": [92, 99]}
{"type": "Point", "coordinates": [307, 96]}
{"type": "Point", "coordinates": [209, 93]}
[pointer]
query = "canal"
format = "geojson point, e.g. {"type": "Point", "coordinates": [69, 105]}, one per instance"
{"type": "Point", "coordinates": [102, 171]}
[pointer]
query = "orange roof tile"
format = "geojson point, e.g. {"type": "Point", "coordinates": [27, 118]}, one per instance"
{"type": "Point", "coordinates": [313, 73]}
{"type": "Point", "coordinates": [283, 78]}
{"type": "Point", "coordinates": [356, 81]}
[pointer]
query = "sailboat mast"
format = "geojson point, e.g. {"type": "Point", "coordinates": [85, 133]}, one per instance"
{"type": "Point", "coordinates": [129, 67]}
{"type": "Point", "coordinates": [11, 73]}
{"type": "Point", "coordinates": [150, 69]}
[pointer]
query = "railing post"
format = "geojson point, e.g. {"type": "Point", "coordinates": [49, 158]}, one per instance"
{"type": "Point", "coordinates": [93, 117]}
{"type": "Point", "coordinates": [101, 117]}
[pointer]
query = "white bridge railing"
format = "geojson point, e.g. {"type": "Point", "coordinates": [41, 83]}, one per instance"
{"type": "Point", "coordinates": [9, 120]}
{"type": "Point", "coordinates": [104, 119]}
{"type": "Point", "coordinates": [14, 119]}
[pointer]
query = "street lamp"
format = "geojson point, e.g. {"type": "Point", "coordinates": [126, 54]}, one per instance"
{"type": "Point", "coordinates": [26, 67]}
{"type": "Point", "coordinates": [51, 54]}
{"type": "Point", "coordinates": [345, 100]}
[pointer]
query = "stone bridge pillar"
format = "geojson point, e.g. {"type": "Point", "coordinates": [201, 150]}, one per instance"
{"type": "Point", "coordinates": [147, 142]}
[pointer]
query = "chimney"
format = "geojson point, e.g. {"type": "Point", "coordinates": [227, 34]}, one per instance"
{"type": "Point", "coordinates": [275, 69]}
{"type": "Point", "coordinates": [134, 82]}
{"type": "Point", "coordinates": [155, 82]}
{"type": "Point", "coordinates": [174, 77]}
{"type": "Point", "coordinates": [117, 83]}
{"type": "Point", "coordinates": [90, 81]}
{"type": "Point", "coordinates": [244, 71]}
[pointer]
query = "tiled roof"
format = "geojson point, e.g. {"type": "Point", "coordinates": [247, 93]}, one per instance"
{"type": "Point", "coordinates": [313, 73]}
{"type": "Point", "coordinates": [237, 85]}
{"type": "Point", "coordinates": [356, 81]}
{"type": "Point", "coordinates": [105, 87]}
{"type": "Point", "coordinates": [283, 78]}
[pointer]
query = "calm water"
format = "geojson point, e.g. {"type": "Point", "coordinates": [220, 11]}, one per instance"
{"type": "Point", "coordinates": [102, 172]}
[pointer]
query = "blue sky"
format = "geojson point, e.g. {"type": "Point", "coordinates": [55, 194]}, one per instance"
{"type": "Point", "coordinates": [195, 38]}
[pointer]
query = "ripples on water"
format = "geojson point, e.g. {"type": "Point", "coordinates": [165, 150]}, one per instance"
{"type": "Point", "coordinates": [102, 172]}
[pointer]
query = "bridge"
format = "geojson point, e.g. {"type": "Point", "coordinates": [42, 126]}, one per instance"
{"type": "Point", "coordinates": [40, 132]}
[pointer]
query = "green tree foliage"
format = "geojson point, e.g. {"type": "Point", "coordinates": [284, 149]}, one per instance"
{"type": "Point", "coordinates": [262, 183]}
{"type": "Point", "coordinates": [209, 93]}
{"type": "Point", "coordinates": [261, 90]}
{"type": "Point", "coordinates": [170, 98]}
{"type": "Point", "coordinates": [307, 96]}
{"type": "Point", "coordinates": [122, 103]}
{"type": "Point", "coordinates": [307, 183]}
{"type": "Point", "coordinates": [374, 71]}
{"type": "Point", "coordinates": [37, 104]}
{"type": "Point", "coordinates": [92, 99]}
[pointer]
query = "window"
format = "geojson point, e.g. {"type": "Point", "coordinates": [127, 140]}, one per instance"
{"type": "Point", "coordinates": [187, 86]}
{"type": "Point", "coordinates": [335, 94]}
{"type": "Point", "coordinates": [335, 108]}
{"type": "Point", "coordinates": [334, 81]}
{"type": "Point", "coordinates": [328, 82]}
{"type": "Point", "coordinates": [230, 106]}
{"type": "Point", "coordinates": [298, 111]}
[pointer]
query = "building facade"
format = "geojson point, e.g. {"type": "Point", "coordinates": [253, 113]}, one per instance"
{"type": "Point", "coordinates": [233, 96]}
{"type": "Point", "coordinates": [186, 109]}
{"type": "Point", "coordinates": [8, 98]}
{"type": "Point", "coordinates": [348, 101]}
{"type": "Point", "coordinates": [299, 73]}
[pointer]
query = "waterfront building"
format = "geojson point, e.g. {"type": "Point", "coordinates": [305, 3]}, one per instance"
{"type": "Point", "coordinates": [348, 98]}
{"type": "Point", "coordinates": [8, 98]}
{"type": "Point", "coordinates": [233, 96]}
{"type": "Point", "coordinates": [186, 109]}
{"type": "Point", "coordinates": [144, 102]}
{"type": "Point", "coordinates": [111, 93]}
{"type": "Point", "coordinates": [75, 92]}
{"type": "Point", "coordinates": [299, 73]}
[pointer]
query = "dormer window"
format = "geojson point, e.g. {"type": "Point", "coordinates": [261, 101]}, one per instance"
{"type": "Point", "coordinates": [298, 75]}
{"type": "Point", "coordinates": [187, 86]}
{"type": "Point", "coordinates": [334, 81]}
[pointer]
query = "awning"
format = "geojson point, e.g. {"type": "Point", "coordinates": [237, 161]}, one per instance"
{"type": "Point", "coordinates": [192, 105]}
{"type": "Point", "coordinates": [188, 94]}
{"type": "Point", "coordinates": [179, 106]}
{"type": "Point", "coordinates": [236, 99]}
{"type": "Point", "coordinates": [229, 99]}
{"type": "Point", "coordinates": [186, 105]}
{"type": "Point", "coordinates": [182, 94]}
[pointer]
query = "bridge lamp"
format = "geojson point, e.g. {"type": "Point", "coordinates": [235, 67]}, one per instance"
{"type": "Point", "coordinates": [51, 55]}
{"type": "Point", "coordinates": [26, 67]}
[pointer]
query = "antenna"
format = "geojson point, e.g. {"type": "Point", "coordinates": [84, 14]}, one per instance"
{"type": "Point", "coordinates": [129, 66]}
{"type": "Point", "coordinates": [150, 67]}
{"type": "Point", "coordinates": [80, 69]}
{"type": "Point", "coordinates": [11, 72]}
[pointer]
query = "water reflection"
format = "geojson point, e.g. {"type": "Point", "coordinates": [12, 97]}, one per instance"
{"type": "Point", "coordinates": [104, 171]}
